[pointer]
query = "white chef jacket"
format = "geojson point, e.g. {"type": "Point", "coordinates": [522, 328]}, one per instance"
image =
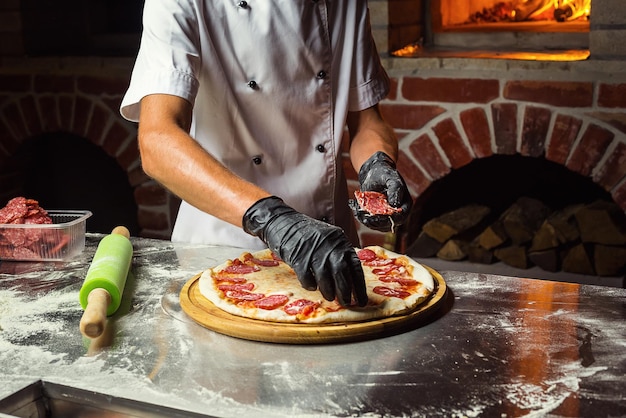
{"type": "Point", "coordinates": [271, 82]}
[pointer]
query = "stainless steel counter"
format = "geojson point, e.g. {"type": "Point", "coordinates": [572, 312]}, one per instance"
{"type": "Point", "coordinates": [499, 346]}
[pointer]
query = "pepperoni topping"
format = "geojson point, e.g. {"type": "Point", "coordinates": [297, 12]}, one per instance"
{"type": "Point", "coordinates": [375, 203]}
{"type": "Point", "coordinates": [300, 306]}
{"type": "Point", "coordinates": [403, 281]}
{"type": "Point", "coordinates": [264, 263]}
{"type": "Point", "coordinates": [379, 262]}
{"type": "Point", "coordinates": [241, 295]}
{"type": "Point", "coordinates": [237, 286]}
{"type": "Point", "coordinates": [386, 291]}
{"type": "Point", "coordinates": [271, 302]}
{"type": "Point", "coordinates": [384, 270]}
{"type": "Point", "coordinates": [219, 278]}
{"type": "Point", "coordinates": [366, 254]}
{"type": "Point", "coordinates": [238, 268]}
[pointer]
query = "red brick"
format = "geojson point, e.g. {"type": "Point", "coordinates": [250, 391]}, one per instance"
{"type": "Point", "coordinates": [114, 139]}
{"type": "Point", "coordinates": [590, 150]}
{"type": "Point", "coordinates": [564, 133]}
{"type": "Point", "coordinates": [452, 144]}
{"type": "Point", "coordinates": [556, 93]}
{"type": "Point", "coordinates": [150, 194]}
{"type": "Point", "coordinates": [393, 89]}
{"type": "Point", "coordinates": [613, 118]}
{"type": "Point", "coordinates": [402, 116]}
{"type": "Point", "coordinates": [535, 131]}
{"type": "Point", "coordinates": [98, 85]}
{"type": "Point", "coordinates": [82, 109]}
{"type": "Point", "coordinates": [476, 128]}
{"type": "Point", "coordinates": [428, 157]}
{"type": "Point", "coordinates": [30, 114]}
{"type": "Point", "coordinates": [614, 169]}
{"type": "Point", "coordinates": [66, 111]}
{"type": "Point", "coordinates": [504, 117]}
{"type": "Point", "coordinates": [49, 113]}
{"type": "Point", "coordinates": [53, 84]}
{"type": "Point", "coordinates": [137, 176]}
{"type": "Point", "coordinates": [415, 178]}
{"type": "Point", "coordinates": [15, 83]}
{"type": "Point", "coordinates": [14, 121]}
{"type": "Point", "coordinates": [129, 157]}
{"type": "Point", "coordinates": [619, 195]}
{"type": "Point", "coordinates": [97, 127]}
{"type": "Point", "coordinates": [450, 90]}
{"type": "Point", "coordinates": [8, 142]}
{"type": "Point", "coordinates": [612, 95]}
{"type": "Point", "coordinates": [152, 219]}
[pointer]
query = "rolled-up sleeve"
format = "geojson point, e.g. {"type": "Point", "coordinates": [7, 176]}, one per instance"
{"type": "Point", "coordinates": [168, 60]}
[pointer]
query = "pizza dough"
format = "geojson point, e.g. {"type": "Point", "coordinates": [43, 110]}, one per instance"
{"type": "Point", "coordinates": [260, 286]}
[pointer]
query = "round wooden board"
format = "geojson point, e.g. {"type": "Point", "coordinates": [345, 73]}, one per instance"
{"type": "Point", "coordinates": [205, 313]}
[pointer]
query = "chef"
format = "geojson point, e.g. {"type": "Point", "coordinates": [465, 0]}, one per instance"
{"type": "Point", "coordinates": [241, 108]}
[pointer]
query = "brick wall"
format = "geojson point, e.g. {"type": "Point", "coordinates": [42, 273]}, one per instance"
{"type": "Point", "coordinates": [447, 112]}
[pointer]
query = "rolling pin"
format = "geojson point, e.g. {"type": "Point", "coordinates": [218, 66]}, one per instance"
{"type": "Point", "coordinates": [101, 293]}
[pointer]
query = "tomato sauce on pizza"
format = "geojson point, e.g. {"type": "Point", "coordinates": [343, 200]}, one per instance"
{"type": "Point", "coordinates": [262, 286]}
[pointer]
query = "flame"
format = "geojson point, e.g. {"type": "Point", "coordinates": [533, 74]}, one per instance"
{"type": "Point", "coordinates": [560, 10]}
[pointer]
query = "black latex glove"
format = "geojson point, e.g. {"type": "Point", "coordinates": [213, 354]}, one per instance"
{"type": "Point", "coordinates": [319, 253]}
{"type": "Point", "coordinates": [379, 174]}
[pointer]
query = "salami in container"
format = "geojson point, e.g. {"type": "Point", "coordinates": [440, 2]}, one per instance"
{"type": "Point", "coordinates": [61, 240]}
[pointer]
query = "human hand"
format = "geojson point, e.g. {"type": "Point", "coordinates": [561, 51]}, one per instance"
{"type": "Point", "coordinates": [319, 253]}
{"type": "Point", "coordinates": [379, 174]}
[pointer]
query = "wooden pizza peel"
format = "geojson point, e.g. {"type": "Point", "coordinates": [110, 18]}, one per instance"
{"type": "Point", "coordinates": [210, 316]}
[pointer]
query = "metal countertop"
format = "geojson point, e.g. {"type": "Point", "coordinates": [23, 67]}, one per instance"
{"type": "Point", "coordinates": [498, 347]}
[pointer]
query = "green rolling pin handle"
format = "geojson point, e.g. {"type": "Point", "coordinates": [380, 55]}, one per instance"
{"type": "Point", "coordinates": [101, 292]}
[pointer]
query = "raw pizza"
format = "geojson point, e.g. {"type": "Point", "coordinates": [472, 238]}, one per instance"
{"type": "Point", "coordinates": [261, 286]}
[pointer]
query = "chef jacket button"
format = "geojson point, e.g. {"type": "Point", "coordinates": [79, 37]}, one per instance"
{"type": "Point", "coordinates": [321, 75]}
{"type": "Point", "coordinates": [243, 4]}
{"type": "Point", "coordinates": [320, 148]}
{"type": "Point", "coordinates": [257, 160]}
{"type": "Point", "coordinates": [253, 85]}
{"type": "Point", "coordinates": [324, 219]}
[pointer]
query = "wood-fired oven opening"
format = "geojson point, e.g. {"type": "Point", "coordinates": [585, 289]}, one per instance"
{"type": "Point", "coordinates": [560, 208]}
{"type": "Point", "coordinates": [491, 28]}
{"type": "Point", "coordinates": [64, 171]}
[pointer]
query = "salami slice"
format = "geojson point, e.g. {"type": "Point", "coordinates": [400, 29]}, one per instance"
{"type": "Point", "coordinates": [375, 203]}
{"type": "Point", "coordinates": [300, 306]}
{"type": "Point", "coordinates": [271, 302]}
{"type": "Point", "coordinates": [395, 293]}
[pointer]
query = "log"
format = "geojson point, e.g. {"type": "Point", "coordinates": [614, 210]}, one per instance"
{"type": "Point", "coordinates": [523, 218]}
{"type": "Point", "coordinates": [609, 260]}
{"type": "Point", "coordinates": [577, 260]}
{"type": "Point", "coordinates": [558, 229]}
{"type": "Point", "coordinates": [424, 246]}
{"type": "Point", "coordinates": [452, 250]}
{"type": "Point", "coordinates": [564, 222]}
{"type": "Point", "coordinates": [548, 260]}
{"type": "Point", "coordinates": [456, 222]}
{"type": "Point", "coordinates": [602, 222]}
{"type": "Point", "coordinates": [514, 256]}
{"type": "Point", "coordinates": [493, 236]}
{"type": "Point", "coordinates": [478, 254]}
{"type": "Point", "coordinates": [546, 238]}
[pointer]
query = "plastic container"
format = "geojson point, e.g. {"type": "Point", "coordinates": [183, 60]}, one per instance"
{"type": "Point", "coordinates": [59, 241]}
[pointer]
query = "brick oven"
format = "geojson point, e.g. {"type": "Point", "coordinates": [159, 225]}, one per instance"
{"type": "Point", "coordinates": [453, 106]}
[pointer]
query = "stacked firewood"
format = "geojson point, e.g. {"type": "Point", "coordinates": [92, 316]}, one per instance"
{"type": "Point", "coordinates": [587, 239]}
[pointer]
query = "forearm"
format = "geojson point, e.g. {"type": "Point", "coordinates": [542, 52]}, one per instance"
{"type": "Point", "coordinates": [179, 163]}
{"type": "Point", "coordinates": [369, 133]}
